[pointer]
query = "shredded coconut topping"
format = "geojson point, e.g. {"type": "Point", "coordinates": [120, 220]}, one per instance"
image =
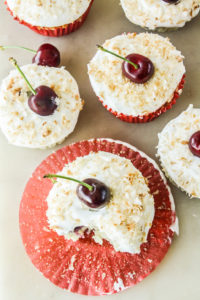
{"type": "Point", "coordinates": [176, 158]}
{"type": "Point", "coordinates": [48, 13]}
{"type": "Point", "coordinates": [124, 96]}
{"type": "Point", "coordinates": [21, 125]}
{"type": "Point", "coordinates": [158, 13]}
{"type": "Point", "coordinates": [125, 221]}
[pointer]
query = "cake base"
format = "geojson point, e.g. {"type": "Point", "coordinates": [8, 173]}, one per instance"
{"type": "Point", "coordinates": [55, 31]}
{"type": "Point", "coordinates": [151, 116]}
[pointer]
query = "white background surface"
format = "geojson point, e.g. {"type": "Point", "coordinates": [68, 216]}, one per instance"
{"type": "Point", "coordinates": [178, 276]}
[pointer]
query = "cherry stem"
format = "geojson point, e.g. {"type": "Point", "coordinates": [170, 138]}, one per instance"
{"type": "Point", "coordinates": [90, 188]}
{"type": "Point", "coordinates": [17, 47]}
{"type": "Point", "coordinates": [14, 62]}
{"type": "Point", "coordinates": [119, 56]}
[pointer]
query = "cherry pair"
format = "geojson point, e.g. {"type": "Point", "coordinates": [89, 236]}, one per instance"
{"type": "Point", "coordinates": [42, 101]}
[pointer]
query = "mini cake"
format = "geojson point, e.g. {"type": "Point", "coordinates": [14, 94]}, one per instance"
{"type": "Point", "coordinates": [179, 151]}
{"type": "Point", "coordinates": [49, 18]}
{"type": "Point", "coordinates": [158, 62]}
{"type": "Point", "coordinates": [20, 121]}
{"type": "Point", "coordinates": [160, 14]}
{"type": "Point", "coordinates": [97, 247]}
{"type": "Point", "coordinates": [125, 224]}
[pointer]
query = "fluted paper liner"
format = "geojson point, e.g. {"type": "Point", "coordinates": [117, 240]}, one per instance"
{"type": "Point", "coordinates": [86, 267]}
{"type": "Point", "coordinates": [150, 116]}
{"type": "Point", "coordinates": [55, 31]}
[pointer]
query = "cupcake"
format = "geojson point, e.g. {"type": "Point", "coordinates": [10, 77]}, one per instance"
{"type": "Point", "coordinates": [51, 19]}
{"type": "Point", "coordinates": [179, 151]}
{"type": "Point", "coordinates": [160, 14]}
{"type": "Point", "coordinates": [104, 240]}
{"type": "Point", "coordinates": [142, 94]}
{"type": "Point", "coordinates": [42, 120]}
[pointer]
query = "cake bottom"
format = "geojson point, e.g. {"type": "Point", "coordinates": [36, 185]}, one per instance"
{"type": "Point", "coordinates": [56, 31]}
{"type": "Point", "coordinates": [151, 116]}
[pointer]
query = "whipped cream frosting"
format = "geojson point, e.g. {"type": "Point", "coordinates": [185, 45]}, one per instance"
{"type": "Point", "coordinates": [158, 13]}
{"type": "Point", "coordinates": [48, 13]}
{"type": "Point", "coordinates": [22, 126]}
{"type": "Point", "coordinates": [176, 158]}
{"type": "Point", "coordinates": [124, 96]}
{"type": "Point", "coordinates": [124, 222]}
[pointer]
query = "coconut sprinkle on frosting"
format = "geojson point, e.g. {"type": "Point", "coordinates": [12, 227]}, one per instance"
{"type": "Point", "coordinates": [124, 222]}
{"type": "Point", "coordinates": [48, 13]}
{"type": "Point", "coordinates": [22, 126]}
{"type": "Point", "coordinates": [176, 158]}
{"type": "Point", "coordinates": [154, 14]}
{"type": "Point", "coordinates": [122, 95]}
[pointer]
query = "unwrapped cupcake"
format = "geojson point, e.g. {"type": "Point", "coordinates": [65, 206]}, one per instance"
{"type": "Point", "coordinates": [137, 76]}
{"type": "Point", "coordinates": [51, 18]}
{"type": "Point", "coordinates": [106, 222]}
{"type": "Point", "coordinates": [179, 151]}
{"type": "Point", "coordinates": [160, 14]}
{"type": "Point", "coordinates": [43, 116]}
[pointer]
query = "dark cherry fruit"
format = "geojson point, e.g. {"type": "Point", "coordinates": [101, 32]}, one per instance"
{"type": "Point", "coordinates": [92, 192]}
{"type": "Point", "coordinates": [43, 102]}
{"type": "Point", "coordinates": [171, 1]}
{"type": "Point", "coordinates": [136, 67]}
{"type": "Point", "coordinates": [97, 197]}
{"type": "Point", "coordinates": [144, 71]}
{"type": "Point", "coordinates": [42, 99]}
{"type": "Point", "coordinates": [194, 144]}
{"type": "Point", "coordinates": [80, 231]}
{"type": "Point", "coordinates": [47, 55]}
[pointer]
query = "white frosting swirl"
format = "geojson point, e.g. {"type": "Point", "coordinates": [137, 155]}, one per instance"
{"type": "Point", "coordinates": [124, 222]}
{"type": "Point", "coordinates": [22, 126]}
{"type": "Point", "coordinates": [158, 13]}
{"type": "Point", "coordinates": [48, 13]}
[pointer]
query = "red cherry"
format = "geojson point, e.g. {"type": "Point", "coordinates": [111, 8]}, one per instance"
{"type": "Point", "coordinates": [47, 55]}
{"type": "Point", "coordinates": [97, 197]}
{"type": "Point", "coordinates": [143, 73]}
{"type": "Point", "coordinates": [194, 144]}
{"type": "Point", "coordinates": [171, 1]}
{"type": "Point", "coordinates": [92, 192]}
{"type": "Point", "coordinates": [43, 102]}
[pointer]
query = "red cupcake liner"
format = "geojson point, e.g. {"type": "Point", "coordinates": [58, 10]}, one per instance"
{"type": "Point", "coordinates": [151, 116]}
{"type": "Point", "coordinates": [84, 266]}
{"type": "Point", "coordinates": [55, 31]}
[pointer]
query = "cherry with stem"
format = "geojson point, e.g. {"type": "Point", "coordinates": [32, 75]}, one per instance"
{"type": "Point", "coordinates": [138, 68]}
{"type": "Point", "coordinates": [42, 99]}
{"type": "Point", "coordinates": [52, 176]}
{"type": "Point", "coordinates": [92, 192]}
{"type": "Point", "coordinates": [46, 55]}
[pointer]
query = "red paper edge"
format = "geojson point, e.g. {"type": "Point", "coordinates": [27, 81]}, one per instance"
{"type": "Point", "coordinates": [151, 116]}
{"type": "Point", "coordinates": [55, 31]}
{"type": "Point", "coordinates": [80, 149]}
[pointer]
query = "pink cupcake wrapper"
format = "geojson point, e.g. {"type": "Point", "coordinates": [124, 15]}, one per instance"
{"type": "Point", "coordinates": [55, 31]}
{"type": "Point", "coordinates": [84, 266]}
{"type": "Point", "coordinates": [151, 116]}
